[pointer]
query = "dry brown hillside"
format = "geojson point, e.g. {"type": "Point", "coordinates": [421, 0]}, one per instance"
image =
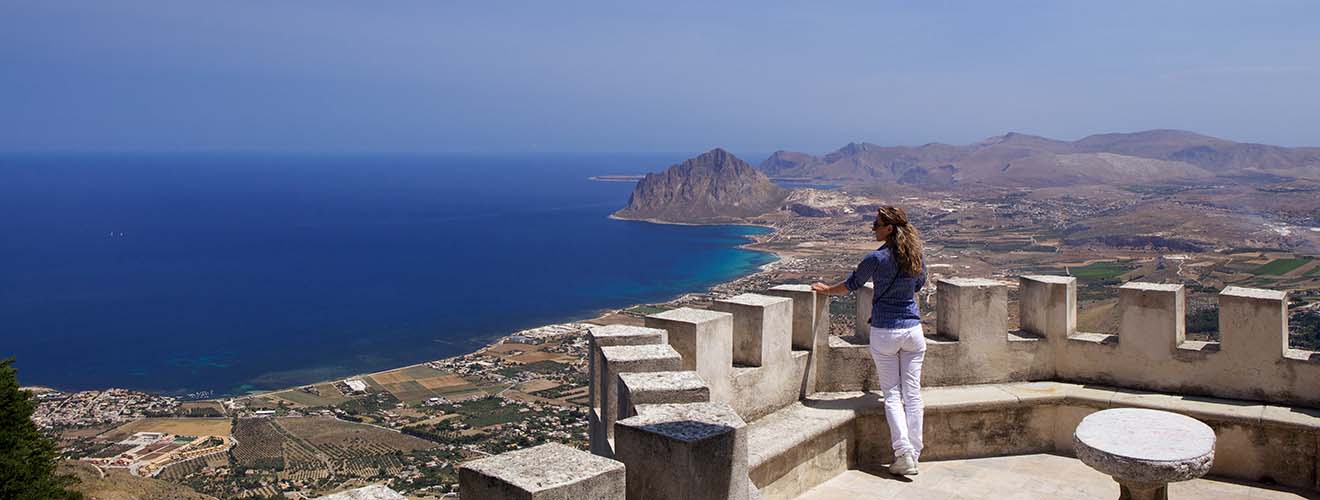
{"type": "Point", "coordinates": [120, 485]}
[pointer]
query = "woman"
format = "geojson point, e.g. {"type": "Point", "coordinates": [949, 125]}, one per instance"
{"type": "Point", "coordinates": [898, 272]}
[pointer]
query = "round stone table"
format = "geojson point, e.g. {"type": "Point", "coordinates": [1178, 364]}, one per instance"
{"type": "Point", "coordinates": [1145, 450]}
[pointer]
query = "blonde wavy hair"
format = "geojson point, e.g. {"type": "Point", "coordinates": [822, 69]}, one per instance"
{"type": "Point", "coordinates": [904, 241]}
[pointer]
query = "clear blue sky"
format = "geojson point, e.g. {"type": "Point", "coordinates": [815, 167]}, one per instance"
{"type": "Point", "coordinates": [441, 75]}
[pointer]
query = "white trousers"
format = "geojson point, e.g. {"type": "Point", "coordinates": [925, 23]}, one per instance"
{"type": "Point", "coordinates": [898, 353]}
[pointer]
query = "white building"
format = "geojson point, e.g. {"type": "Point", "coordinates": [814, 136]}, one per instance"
{"type": "Point", "coordinates": [357, 385]}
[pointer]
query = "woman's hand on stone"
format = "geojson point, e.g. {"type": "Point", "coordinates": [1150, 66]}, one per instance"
{"type": "Point", "coordinates": [820, 287]}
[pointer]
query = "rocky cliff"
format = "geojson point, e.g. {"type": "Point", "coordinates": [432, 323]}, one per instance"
{"type": "Point", "coordinates": [715, 186]}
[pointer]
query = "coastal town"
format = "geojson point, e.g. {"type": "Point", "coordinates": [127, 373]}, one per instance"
{"type": "Point", "coordinates": [408, 427]}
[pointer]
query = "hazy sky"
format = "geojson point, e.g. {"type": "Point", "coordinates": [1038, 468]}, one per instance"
{"type": "Point", "coordinates": [442, 75]}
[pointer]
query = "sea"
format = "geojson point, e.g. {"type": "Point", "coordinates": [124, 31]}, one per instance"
{"type": "Point", "coordinates": [222, 274]}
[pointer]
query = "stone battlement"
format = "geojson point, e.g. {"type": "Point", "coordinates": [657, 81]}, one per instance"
{"type": "Point", "coordinates": [752, 398]}
{"type": "Point", "coordinates": [972, 343]}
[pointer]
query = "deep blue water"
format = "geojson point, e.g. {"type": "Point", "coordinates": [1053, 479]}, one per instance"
{"type": "Point", "coordinates": [181, 273]}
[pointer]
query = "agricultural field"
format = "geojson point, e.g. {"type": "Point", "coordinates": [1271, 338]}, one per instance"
{"type": "Point", "coordinates": [420, 383]}
{"type": "Point", "coordinates": [181, 470]}
{"type": "Point", "coordinates": [322, 432]}
{"type": "Point", "coordinates": [410, 391]}
{"type": "Point", "coordinates": [575, 395]}
{"type": "Point", "coordinates": [176, 426]}
{"type": "Point", "coordinates": [311, 450]}
{"type": "Point", "coordinates": [260, 445]}
{"type": "Point", "coordinates": [301, 461]}
{"type": "Point", "coordinates": [1280, 267]}
{"type": "Point", "coordinates": [324, 394]}
{"type": "Point", "coordinates": [485, 412]}
{"type": "Point", "coordinates": [446, 384]}
{"type": "Point", "coordinates": [202, 409]}
{"type": "Point", "coordinates": [370, 404]}
{"type": "Point", "coordinates": [535, 357]}
{"type": "Point", "coordinates": [1099, 271]}
{"type": "Point", "coordinates": [538, 385]}
{"type": "Point", "coordinates": [112, 450]}
{"type": "Point", "coordinates": [523, 354]}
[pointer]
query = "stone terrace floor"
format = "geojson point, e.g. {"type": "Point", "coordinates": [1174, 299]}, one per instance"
{"type": "Point", "coordinates": [1020, 477]}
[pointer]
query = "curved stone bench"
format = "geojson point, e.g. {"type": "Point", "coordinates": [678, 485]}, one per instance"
{"type": "Point", "coordinates": [1258, 442]}
{"type": "Point", "coordinates": [798, 447]}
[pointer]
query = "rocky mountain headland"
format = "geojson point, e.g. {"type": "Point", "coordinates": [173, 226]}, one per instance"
{"type": "Point", "coordinates": [1021, 160]}
{"type": "Point", "coordinates": [715, 186]}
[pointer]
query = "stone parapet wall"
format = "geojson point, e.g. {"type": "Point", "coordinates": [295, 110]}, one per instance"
{"type": "Point", "coordinates": [763, 380]}
{"type": "Point", "coordinates": [972, 343]}
{"type": "Point", "coordinates": [1150, 352]}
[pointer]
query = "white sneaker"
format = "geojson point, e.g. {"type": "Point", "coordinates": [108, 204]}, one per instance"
{"type": "Point", "coordinates": [904, 465]}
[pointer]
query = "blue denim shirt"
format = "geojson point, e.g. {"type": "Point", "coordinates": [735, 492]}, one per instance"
{"type": "Point", "coordinates": [894, 304]}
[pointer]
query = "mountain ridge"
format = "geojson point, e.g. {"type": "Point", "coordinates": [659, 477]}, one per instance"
{"type": "Point", "coordinates": [1019, 159]}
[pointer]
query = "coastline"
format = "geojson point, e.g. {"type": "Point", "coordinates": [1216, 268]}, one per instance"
{"type": "Point", "coordinates": [616, 178]}
{"type": "Point", "coordinates": [598, 318]}
{"type": "Point", "coordinates": [752, 245]}
{"type": "Point", "coordinates": [616, 216]}
{"type": "Point", "coordinates": [600, 315]}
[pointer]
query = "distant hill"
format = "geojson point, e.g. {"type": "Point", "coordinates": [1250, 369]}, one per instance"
{"type": "Point", "coordinates": [711, 187]}
{"type": "Point", "coordinates": [1013, 159]}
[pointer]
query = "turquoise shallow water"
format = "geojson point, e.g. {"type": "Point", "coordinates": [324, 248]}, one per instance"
{"type": "Point", "coordinates": [185, 273]}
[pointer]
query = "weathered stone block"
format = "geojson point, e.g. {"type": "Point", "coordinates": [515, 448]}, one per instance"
{"type": "Point", "coordinates": [760, 390]}
{"type": "Point", "coordinates": [1253, 324]}
{"type": "Point", "coordinates": [705, 340]}
{"type": "Point", "coordinates": [811, 314]}
{"type": "Point", "coordinates": [1048, 306]}
{"type": "Point", "coordinates": [598, 437]}
{"type": "Point", "coordinates": [630, 359]}
{"type": "Point", "coordinates": [862, 318]}
{"type": "Point", "coordinates": [811, 329]}
{"type": "Point", "coordinates": [550, 471]}
{"type": "Point", "coordinates": [972, 310]}
{"type": "Point", "coordinates": [615, 335]}
{"type": "Point", "coordinates": [694, 451]}
{"type": "Point", "coordinates": [647, 388]}
{"type": "Point", "coordinates": [1152, 318]}
{"type": "Point", "coordinates": [762, 328]}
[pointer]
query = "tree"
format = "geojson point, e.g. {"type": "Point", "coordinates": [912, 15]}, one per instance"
{"type": "Point", "coordinates": [27, 457]}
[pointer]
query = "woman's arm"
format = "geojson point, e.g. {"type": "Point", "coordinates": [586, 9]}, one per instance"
{"type": "Point", "coordinates": [838, 289]}
{"type": "Point", "coordinates": [865, 269]}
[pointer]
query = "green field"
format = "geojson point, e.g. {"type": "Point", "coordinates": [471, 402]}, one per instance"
{"type": "Point", "coordinates": [484, 412]}
{"type": "Point", "coordinates": [1279, 267]}
{"type": "Point", "coordinates": [1099, 271]}
{"type": "Point", "coordinates": [647, 310]}
{"type": "Point", "coordinates": [307, 399]}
